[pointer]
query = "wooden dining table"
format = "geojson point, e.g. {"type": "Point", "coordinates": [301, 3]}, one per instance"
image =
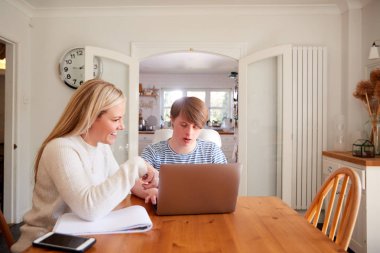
{"type": "Point", "coordinates": [259, 224]}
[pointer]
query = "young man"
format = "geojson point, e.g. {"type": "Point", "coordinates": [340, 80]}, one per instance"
{"type": "Point", "coordinates": [188, 116]}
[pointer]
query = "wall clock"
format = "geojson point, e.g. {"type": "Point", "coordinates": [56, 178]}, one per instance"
{"type": "Point", "coordinates": [71, 67]}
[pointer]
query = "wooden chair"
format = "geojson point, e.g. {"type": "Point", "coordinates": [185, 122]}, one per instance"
{"type": "Point", "coordinates": [345, 183]}
{"type": "Point", "coordinates": [6, 231]}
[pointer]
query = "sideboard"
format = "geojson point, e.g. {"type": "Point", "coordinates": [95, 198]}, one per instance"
{"type": "Point", "coordinates": [366, 236]}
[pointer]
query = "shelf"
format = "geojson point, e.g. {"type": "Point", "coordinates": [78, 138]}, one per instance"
{"type": "Point", "coordinates": [348, 157]}
{"type": "Point", "coordinates": [152, 96]}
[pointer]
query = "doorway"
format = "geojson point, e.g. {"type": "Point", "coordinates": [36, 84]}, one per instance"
{"type": "Point", "coordinates": [7, 128]}
{"type": "Point", "coordinates": [2, 111]}
{"type": "Point", "coordinates": [170, 75]}
{"type": "Point", "coordinates": [141, 51]}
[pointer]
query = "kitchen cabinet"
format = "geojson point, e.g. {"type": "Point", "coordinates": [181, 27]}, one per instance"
{"type": "Point", "coordinates": [149, 96]}
{"type": "Point", "coordinates": [228, 146]}
{"type": "Point", "coordinates": [144, 140]}
{"type": "Point", "coordinates": [365, 237]}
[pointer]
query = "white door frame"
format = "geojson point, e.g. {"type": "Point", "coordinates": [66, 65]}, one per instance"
{"type": "Point", "coordinates": [132, 97]}
{"type": "Point", "coordinates": [9, 200]}
{"type": "Point", "coordinates": [284, 51]}
{"type": "Point", "coordinates": [141, 50]}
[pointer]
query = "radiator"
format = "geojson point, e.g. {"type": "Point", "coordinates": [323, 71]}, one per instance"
{"type": "Point", "coordinates": [309, 110]}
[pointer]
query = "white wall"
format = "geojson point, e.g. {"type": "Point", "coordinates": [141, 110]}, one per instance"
{"type": "Point", "coordinates": [52, 36]}
{"type": "Point", "coordinates": [43, 40]}
{"type": "Point", "coordinates": [371, 29]}
{"type": "Point", "coordinates": [352, 73]}
{"type": "Point", "coordinates": [371, 32]}
{"type": "Point", "coordinates": [360, 27]}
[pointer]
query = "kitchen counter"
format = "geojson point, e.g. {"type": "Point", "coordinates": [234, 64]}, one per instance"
{"type": "Point", "coordinates": [348, 157]}
{"type": "Point", "coordinates": [220, 132]}
{"type": "Point", "coordinates": [146, 132]}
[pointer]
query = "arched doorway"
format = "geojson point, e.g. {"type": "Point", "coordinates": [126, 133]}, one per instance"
{"type": "Point", "coordinates": [189, 73]}
{"type": "Point", "coordinates": [282, 130]}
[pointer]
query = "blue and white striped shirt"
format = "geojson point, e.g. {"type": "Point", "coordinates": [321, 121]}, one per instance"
{"type": "Point", "coordinates": [204, 152]}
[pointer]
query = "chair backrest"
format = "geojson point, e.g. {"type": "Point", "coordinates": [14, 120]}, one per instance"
{"type": "Point", "coordinates": [6, 231]}
{"type": "Point", "coordinates": [162, 135]}
{"type": "Point", "coordinates": [206, 134]}
{"type": "Point", "coordinates": [344, 208]}
{"type": "Point", "coordinates": [211, 135]}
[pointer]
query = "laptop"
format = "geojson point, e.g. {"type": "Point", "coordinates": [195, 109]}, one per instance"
{"type": "Point", "coordinates": [197, 188]}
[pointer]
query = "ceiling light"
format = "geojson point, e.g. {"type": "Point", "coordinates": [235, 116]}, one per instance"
{"type": "Point", "coordinates": [233, 75]}
{"type": "Point", "coordinates": [374, 52]}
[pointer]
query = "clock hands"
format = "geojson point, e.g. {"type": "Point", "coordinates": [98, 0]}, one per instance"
{"type": "Point", "coordinates": [81, 67]}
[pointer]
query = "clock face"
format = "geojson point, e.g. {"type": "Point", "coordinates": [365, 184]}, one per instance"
{"type": "Point", "coordinates": [72, 67]}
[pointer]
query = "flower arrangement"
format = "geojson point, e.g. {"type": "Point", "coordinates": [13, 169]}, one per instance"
{"type": "Point", "coordinates": [368, 91]}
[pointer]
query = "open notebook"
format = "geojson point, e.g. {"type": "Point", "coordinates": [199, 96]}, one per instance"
{"type": "Point", "coordinates": [197, 188]}
{"type": "Point", "coordinates": [131, 219]}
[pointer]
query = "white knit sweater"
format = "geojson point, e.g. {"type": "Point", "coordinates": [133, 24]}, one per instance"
{"type": "Point", "coordinates": [74, 176]}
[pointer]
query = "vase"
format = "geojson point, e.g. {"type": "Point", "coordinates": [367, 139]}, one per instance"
{"type": "Point", "coordinates": [375, 134]}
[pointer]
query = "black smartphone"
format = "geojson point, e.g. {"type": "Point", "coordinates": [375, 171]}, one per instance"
{"type": "Point", "coordinates": [64, 242]}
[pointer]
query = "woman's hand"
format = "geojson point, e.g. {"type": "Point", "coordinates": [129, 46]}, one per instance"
{"type": "Point", "coordinates": [150, 179]}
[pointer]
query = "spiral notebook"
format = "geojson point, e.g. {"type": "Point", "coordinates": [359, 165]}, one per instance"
{"type": "Point", "coordinates": [131, 219]}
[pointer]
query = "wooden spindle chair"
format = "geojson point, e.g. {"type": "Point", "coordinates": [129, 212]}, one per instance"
{"type": "Point", "coordinates": [343, 189]}
{"type": "Point", "coordinates": [6, 231]}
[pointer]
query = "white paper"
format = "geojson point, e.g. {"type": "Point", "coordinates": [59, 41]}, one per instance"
{"type": "Point", "coordinates": [132, 219]}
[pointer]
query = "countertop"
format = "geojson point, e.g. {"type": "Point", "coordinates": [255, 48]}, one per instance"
{"type": "Point", "coordinates": [220, 132]}
{"type": "Point", "coordinates": [146, 132]}
{"type": "Point", "coordinates": [348, 157]}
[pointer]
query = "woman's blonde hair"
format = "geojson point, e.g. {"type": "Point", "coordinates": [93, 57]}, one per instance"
{"type": "Point", "coordinates": [192, 109]}
{"type": "Point", "coordinates": [92, 99]}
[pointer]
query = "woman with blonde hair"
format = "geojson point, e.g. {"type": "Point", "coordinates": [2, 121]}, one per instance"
{"type": "Point", "coordinates": [75, 170]}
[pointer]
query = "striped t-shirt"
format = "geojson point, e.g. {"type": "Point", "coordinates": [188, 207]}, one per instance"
{"type": "Point", "coordinates": [204, 152]}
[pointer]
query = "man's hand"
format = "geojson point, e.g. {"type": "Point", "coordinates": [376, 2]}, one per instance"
{"type": "Point", "coordinates": [152, 195]}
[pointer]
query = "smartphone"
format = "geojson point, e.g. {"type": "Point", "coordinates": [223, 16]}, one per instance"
{"type": "Point", "coordinates": [64, 242]}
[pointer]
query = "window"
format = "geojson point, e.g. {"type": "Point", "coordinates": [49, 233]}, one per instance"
{"type": "Point", "coordinates": [218, 101]}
